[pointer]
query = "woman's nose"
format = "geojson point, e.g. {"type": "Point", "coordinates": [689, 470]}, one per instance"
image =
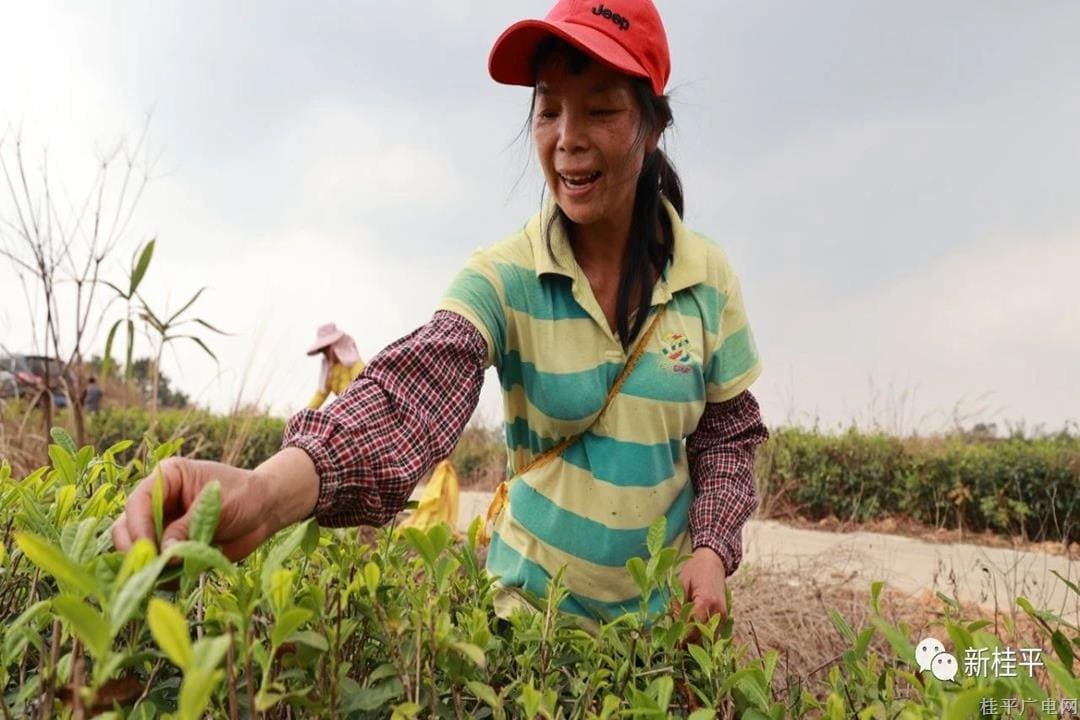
{"type": "Point", "coordinates": [572, 132]}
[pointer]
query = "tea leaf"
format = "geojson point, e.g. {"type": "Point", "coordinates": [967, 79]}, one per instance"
{"type": "Point", "coordinates": [899, 642]}
{"type": "Point", "coordinates": [135, 559]}
{"type": "Point", "coordinates": [662, 688]}
{"type": "Point", "coordinates": [484, 692]}
{"type": "Point", "coordinates": [208, 652]}
{"type": "Point", "coordinates": [310, 638]}
{"type": "Point", "coordinates": [472, 652]}
{"type": "Point", "coordinates": [636, 567]}
{"type": "Point", "coordinates": [1063, 650]}
{"type": "Point", "coordinates": [170, 632]}
{"type": "Point", "coordinates": [65, 500]}
{"type": "Point", "coordinates": [965, 704]}
{"type": "Point", "coordinates": [64, 463]}
{"type": "Point", "coordinates": [54, 562]}
{"type": "Point", "coordinates": [420, 542]}
{"type": "Point", "coordinates": [279, 552]}
{"type": "Point", "coordinates": [61, 438]}
{"type": "Point", "coordinates": [371, 577]}
{"type": "Point", "coordinates": [288, 623]}
{"type": "Point", "coordinates": [655, 538]}
{"type": "Point", "coordinates": [529, 699]}
{"type": "Point", "coordinates": [133, 592]}
{"type": "Point", "coordinates": [203, 554]}
{"type": "Point", "coordinates": [75, 540]}
{"type": "Point", "coordinates": [195, 692]}
{"type": "Point", "coordinates": [405, 711]}
{"type": "Point", "coordinates": [157, 501]}
{"type": "Point", "coordinates": [86, 623]}
{"type": "Point", "coordinates": [863, 642]}
{"type": "Point", "coordinates": [611, 704]}
{"type": "Point", "coordinates": [205, 513]}
{"type": "Point", "coordinates": [842, 626]}
{"type": "Point", "coordinates": [701, 658]}
{"type": "Point", "coordinates": [371, 698]}
{"type": "Point", "coordinates": [281, 589]}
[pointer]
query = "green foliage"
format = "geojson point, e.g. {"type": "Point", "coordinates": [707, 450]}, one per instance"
{"type": "Point", "coordinates": [1014, 486]}
{"type": "Point", "coordinates": [207, 436]}
{"type": "Point", "coordinates": [317, 624]}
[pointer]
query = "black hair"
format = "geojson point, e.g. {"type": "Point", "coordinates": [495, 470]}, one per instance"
{"type": "Point", "coordinates": [647, 248]}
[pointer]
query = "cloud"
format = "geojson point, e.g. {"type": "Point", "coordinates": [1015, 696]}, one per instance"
{"type": "Point", "coordinates": [895, 185]}
{"type": "Point", "coordinates": [992, 331]}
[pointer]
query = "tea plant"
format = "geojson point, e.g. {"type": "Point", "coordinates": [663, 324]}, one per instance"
{"type": "Point", "coordinates": [319, 623]}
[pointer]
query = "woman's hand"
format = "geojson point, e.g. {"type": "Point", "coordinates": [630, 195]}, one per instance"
{"type": "Point", "coordinates": [703, 584]}
{"type": "Point", "coordinates": [244, 522]}
{"type": "Point", "coordinates": [255, 504]}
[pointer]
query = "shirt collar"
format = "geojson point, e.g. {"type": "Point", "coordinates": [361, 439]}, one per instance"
{"type": "Point", "coordinates": [685, 269]}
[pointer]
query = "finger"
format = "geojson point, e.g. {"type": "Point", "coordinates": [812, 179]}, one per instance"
{"type": "Point", "coordinates": [138, 512]}
{"type": "Point", "coordinates": [121, 536]}
{"type": "Point", "coordinates": [176, 531]}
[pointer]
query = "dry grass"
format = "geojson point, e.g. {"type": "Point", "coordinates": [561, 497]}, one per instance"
{"type": "Point", "coordinates": [789, 612]}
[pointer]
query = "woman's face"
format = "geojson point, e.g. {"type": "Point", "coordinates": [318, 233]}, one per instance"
{"type": "Point", "coordinates": [585, 127]}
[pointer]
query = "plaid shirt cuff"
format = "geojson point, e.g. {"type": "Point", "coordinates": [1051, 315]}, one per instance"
{"type": "Point", "coordinates": [721, 456]}
{"type": "Point", "coordinates": [398, 418]}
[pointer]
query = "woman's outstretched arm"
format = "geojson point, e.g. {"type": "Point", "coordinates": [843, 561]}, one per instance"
{"type": "Point", "coordinates": [354, 462]}
{"type": "Point", "coordinates": [402, 415]}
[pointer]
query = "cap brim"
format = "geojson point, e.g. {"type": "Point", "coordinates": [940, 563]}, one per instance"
{"type": "Point", "coordinates": [320, 346]}
{"type": "Point", "coordinates": [510, 61]}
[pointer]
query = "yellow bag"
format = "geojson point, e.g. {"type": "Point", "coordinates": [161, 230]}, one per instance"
{"type": "Point", "coordinates": [439, 501]}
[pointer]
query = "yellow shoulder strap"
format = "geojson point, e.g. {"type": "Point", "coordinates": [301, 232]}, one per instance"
{"type": "Point", "coordinates": [498, 502]}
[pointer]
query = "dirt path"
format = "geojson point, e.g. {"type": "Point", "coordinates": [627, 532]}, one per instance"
{"type": "Point", "coordinates": [969, 573]}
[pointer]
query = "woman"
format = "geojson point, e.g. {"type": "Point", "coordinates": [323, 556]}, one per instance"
{"type": "Point", "coordinates": [613, 327]}
{"type": "Point", "coordinates": [341, 362]}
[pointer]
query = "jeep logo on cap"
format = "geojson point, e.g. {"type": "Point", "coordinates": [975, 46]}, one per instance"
{"type": "Point", "coordinates": [616, 18]}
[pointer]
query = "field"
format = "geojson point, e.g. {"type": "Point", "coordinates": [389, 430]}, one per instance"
{"type": "Point", "coordinates": [376, 623]}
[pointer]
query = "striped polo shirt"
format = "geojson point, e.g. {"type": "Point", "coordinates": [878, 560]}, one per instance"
{"type": "Point", "coordinates": [589, 510]}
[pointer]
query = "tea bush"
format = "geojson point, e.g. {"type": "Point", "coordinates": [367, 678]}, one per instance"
{"type": "Point", "coordinates": [1024, 486]}
{"type": "Point", "coordinates": [246, 440]}
{"type": "Point", "coordinates": [1017, 486]}
{"type": "Point", "coordinates": [318, 623]}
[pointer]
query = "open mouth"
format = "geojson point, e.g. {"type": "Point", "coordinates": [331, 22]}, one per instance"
{"type": "Point", "coordinates": [580, 182]}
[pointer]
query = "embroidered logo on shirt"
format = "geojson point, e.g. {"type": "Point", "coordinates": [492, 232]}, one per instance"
{"type": "Point", "coordinates": [676, 350]}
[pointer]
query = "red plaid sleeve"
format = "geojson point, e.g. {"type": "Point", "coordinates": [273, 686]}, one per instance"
{"type": "Point", "coordinates": [721, 456]}
{"type": "Point", "coordinates": [398, 418]}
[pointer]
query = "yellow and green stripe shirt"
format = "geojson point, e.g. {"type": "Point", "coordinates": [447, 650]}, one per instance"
{"type": "Point", "coordinates": [589, 510]}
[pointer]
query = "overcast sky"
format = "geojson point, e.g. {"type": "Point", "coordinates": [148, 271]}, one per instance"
{"type": "Point", "coordinates": [897, 184]}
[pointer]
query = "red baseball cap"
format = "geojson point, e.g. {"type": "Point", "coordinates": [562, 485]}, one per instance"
{"type": "Point", "coordinates": [628, 35]}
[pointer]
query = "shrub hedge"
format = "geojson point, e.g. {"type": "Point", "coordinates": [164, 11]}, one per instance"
{"type": "Point", "coordinates": [1017, 486]}
{"type": "Point", "coordinates": [1026, 486]}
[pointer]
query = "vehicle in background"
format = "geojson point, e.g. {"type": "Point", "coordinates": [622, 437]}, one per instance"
{"type": "Point", "coordinates": [22, 375]}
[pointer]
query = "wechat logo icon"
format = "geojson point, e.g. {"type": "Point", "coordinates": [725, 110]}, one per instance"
{"type": "Point", "coordinates": [930, 655]}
